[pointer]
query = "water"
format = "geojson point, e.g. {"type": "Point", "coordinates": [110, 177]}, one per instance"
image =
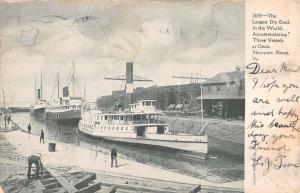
{"type": "Point", "coordinates": [217, 167]}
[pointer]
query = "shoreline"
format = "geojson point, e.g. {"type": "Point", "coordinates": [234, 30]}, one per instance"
{"type": "Point", "coordinates": [227, 137]}
{"type": "Point", "coordinates": [68, 155]}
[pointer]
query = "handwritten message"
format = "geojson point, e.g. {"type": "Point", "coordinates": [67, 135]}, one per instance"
{"type": "Point", "coordinates": [273, 127]}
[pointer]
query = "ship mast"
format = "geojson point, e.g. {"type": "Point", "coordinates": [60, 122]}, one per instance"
{"type": "Point", "coordinates": [58, 85]}
{"type": "Point", "coordinates": [3, 98]}
{"type": "Point", "coordinates": [73, 80]}
{"type": "Point", "coordinates": [41, 94]}
{"type": "Point", "coordinates": [201, 103]}
{"type": "Point", "coordinates": [4, 106]}
{"type": "Point", "coordinates": [84, 91]}
{"type": "Point", "coordinates": [35, 95]}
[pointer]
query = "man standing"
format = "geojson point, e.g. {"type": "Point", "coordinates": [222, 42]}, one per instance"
{"type": "Point", "coordinates": [42, 136]}
{"type": "Point", "coordinates": [114, 156]}
{"type": "Point", "coordinates": [8, 119]}
{"type": "Point", "coordinates": [5, 118]}
{"type": "Point", "coordinates": [29, 128]}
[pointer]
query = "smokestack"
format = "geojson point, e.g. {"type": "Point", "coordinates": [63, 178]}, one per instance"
{"type": "Point", "coordinates": [129, 84]}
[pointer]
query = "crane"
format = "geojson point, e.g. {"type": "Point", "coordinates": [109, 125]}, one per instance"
{"type": "Point", "coordinates": [129, 77]}
{"type": "Point", "coordinates": [194, 79]}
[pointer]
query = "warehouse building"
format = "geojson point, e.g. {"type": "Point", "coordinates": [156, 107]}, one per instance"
{"type": "Point", "coordinates": [223, 95]}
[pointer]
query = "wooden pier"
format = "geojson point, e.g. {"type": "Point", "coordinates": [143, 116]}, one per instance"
{"type": "Point", "coordinates": [55, 181]}
{"type": "Point", "coordinates": [88, 182]}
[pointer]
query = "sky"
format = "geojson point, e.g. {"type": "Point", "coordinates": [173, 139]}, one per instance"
{"type": "Point", "coordinates": [161, 37]}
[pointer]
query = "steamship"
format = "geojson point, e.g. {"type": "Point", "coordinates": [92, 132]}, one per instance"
{"type": "Point", "coordinates": [66, 109]}
{"type": "Point", "coordinates": [38, 108]}
{"type": "Point", "coordinates": [140, 125]}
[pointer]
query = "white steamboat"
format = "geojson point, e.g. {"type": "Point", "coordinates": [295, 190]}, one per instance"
{"type": "Point", "coordinates": [140, 125]}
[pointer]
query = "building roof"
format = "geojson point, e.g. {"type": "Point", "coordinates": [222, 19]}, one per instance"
{"type": "Point", "coordinates": [234, 76]}
{"type": "Point", "coordinates": [171, 106]}
{"type": "Point", "coordinates": [178, 106]}
{"type": "Point", "coordinates": [221, 96]}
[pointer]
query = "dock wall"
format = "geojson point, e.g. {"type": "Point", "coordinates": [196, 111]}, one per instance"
{"type": "Point", "coordinates": [223, 136]}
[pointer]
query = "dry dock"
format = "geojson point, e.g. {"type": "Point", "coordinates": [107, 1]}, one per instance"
{"type": "Point", "coordinates": [67, 155]}
{"type": "Point", "coordinates": [223, 135]}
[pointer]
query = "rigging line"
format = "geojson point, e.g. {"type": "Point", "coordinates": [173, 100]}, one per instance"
{"type": "Point", "coordinates": [70, 80]}
{"type": "Point", "coordinates": [78, 88]}
{"type": "Point", "coordinates": [54, 88]}
{"type": "Point", "coordinates": [74, 81]}
{"type": "Point", "coordinates": [77, 78]}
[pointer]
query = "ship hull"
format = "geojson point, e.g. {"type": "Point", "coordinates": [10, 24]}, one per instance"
{"type": "Point", "coordinates": [37, 112]}
{"type": "Point", "coordinates": [66, 117]}
{"type": "Point", "coordinates": [189, 149]}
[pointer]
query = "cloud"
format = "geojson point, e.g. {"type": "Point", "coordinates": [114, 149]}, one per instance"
{"type": "Point", "coordinates": [161, 38]}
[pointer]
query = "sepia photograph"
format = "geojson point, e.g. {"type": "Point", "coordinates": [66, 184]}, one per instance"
{"type": "Point", "coordinates": [122, 96]}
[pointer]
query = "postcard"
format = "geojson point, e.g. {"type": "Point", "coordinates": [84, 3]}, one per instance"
{"type": "Point", "coordinates": [174, 96]}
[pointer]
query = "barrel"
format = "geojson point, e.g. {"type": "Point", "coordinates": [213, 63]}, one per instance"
{"type": "Point", "coordinates": [51, 147]}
